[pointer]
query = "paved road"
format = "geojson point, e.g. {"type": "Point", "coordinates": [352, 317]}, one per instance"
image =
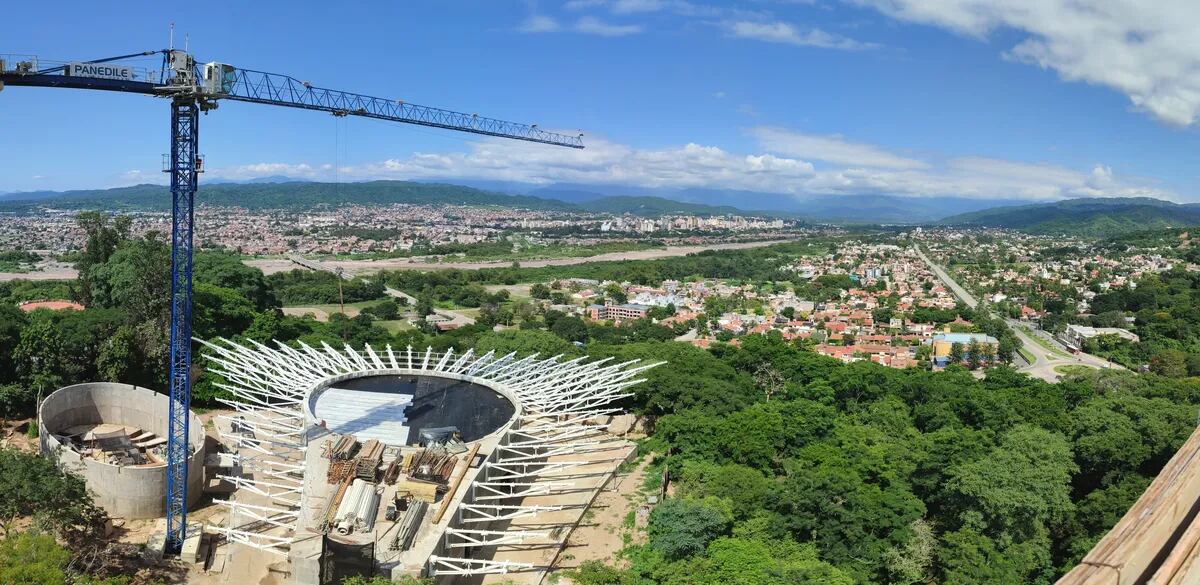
{"type": "Point", "coordinates": [1045, 361]}
{"type": "Point", "coordinates": [958, 291]}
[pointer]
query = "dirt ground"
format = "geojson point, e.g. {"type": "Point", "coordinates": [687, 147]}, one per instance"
{"type": "Point", "coordinates": [317, 314]}
{"type": "Point", "coordinates": [52, 272]}
{"type": "Point", "coordinates": [603, 536]}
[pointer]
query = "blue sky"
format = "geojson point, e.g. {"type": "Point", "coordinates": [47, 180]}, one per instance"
{"type": "Point", "coordinates": [980, 98]}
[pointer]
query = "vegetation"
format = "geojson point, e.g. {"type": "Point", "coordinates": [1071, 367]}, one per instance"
{"type": "Point", "coordinates": [890, 476]}
{"type": "Point", "coordinates": [17, 260]}
{"type": "Point", "coordinates": [305, 195]}
{"type": "Point", "coordinates": [1088, 217]}
{"type": "Point", "coordinates": [1166, 319]}
{"type": "Point", "coordinates": [305, 287]}
{"type": "Point", "coordinates": [787, 466]}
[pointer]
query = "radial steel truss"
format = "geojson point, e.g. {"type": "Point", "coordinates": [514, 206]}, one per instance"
{"type": "Point", "coordinates": [558, 402]}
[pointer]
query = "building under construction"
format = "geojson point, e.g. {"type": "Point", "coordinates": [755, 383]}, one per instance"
{"type": "Point", "coordinates": [455, 466]}
{"type": "Point", "coordinates": [114, 436]}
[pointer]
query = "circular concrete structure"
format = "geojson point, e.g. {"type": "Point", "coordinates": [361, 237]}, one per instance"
{"type": "Point", "coordinates": [394, 406]}
{"type": "Point", "coordinates": [92, 413]}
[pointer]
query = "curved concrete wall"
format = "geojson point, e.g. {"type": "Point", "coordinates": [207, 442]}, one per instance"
{"type": "Point", "coordinates": [124, 492]}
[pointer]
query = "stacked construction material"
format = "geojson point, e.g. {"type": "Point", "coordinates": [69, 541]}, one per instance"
{"type": "Point", "coordinates": [393, 471]}
{"type": "Point", "coordinates": [339, 471]}
{"type": "Point", "coordinates": [409, 525]}
{"type": "Point", "coordinates": [358, 508]}
{"type": "Point", "coordinates": [368, 461]}
{"type": "Point", "coordinates": [432, 464]}
{"type": "Point", "coordinates": [343, 449]}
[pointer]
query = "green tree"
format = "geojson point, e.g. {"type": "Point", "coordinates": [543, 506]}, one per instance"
{"type": "Point", "coordinates": [1020, 489]}
{"type": "Point", "coordinates": [15, 400]}
{"type": "Point", "coordinates": [525, 342]}
{"type": "Point", "coordinates": [120, 356]}
{"type": "Point", "coordinates": [615, 293]}
{"type": "Point", "coordinates": [103, 238]}
{"type": "Point", "coordinates": [12, 320]}
{"type": "Point", "coordinates": [974, 356]}
{"type": "Point", "coordinates": [57, 500]}
{"type": "Point", "coordinates": [971, 558]}
{"type": "Point", "coordinates": [571, 328]}
{"type": "Point", "coordinates": [39, 355]}
{"type": "Point", "coordinates": [424, 304]}
{"type": "Point", "coordinates": [682, 528]}
{"type": "Point", "coordinates": [30, 558]}
{"type": "Point", "coordinates": [956, 352]}
{"type": "Point", "coordinates": [1171, 363]}
{"type": "Point", "coordinates": [387, 310]}
{"type": "Point", "coordinates": [219, 312]}
{"type": "Point", "coordinates": [539, 291]}
{"type": "Point", "coordinates": [226, 270]}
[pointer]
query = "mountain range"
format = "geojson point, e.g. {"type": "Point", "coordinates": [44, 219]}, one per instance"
{"type": "Point", "coordinates": [300, 195]}
{"type": "Point", "coordinates": [1092, 217]}
{"type": "Point", "coordinates": [286, 192]}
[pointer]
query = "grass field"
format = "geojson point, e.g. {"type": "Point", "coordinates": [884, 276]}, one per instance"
{"type": "Point", "coordinates": [394, 327]}
{"type": "Point", "coordinates": [1072, 369]}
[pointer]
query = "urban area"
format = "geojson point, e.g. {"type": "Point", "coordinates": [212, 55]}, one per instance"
{"type": "Point", "coordinates": [831, 292]}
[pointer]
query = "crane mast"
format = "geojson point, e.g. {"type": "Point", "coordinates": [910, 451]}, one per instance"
{"type": "Point", "coordinates": [192, 89]}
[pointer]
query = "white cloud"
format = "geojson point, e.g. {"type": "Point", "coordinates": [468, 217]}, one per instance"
{"type": "Point", "coordinates": [537, 23]}
{"type": "Point", "coordinates": [1148, 50]}
{"type": "Point", "coordinates": [783, 163]}
{"type": "Point", "coordinates": [782, 32]}
{"type": "Point", "coordinates": [833, 149]}
{"type": "Point", "coordinates": [583, 4]}
{"type": "Point", "coordinates": [593, 26]}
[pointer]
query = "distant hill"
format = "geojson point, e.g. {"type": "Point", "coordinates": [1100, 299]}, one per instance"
{"type": "Point", "coordinates": [1092, 217]}
{"type": "Point", "coordinates": [281, 192]}
{"type": "Point", "coordinates": [826, 208]}
{"type": "Point", "coordinates": [304, 195]}
{"type": "Point", "coordinates": [295, 195]}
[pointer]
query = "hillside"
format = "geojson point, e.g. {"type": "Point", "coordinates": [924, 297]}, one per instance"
{"type": "Point", "coordinates": [284, 196]}
{"type": "Point", "coordinates": [304, 195]}
{"type": "Point", "coordinates": [1085, 217]}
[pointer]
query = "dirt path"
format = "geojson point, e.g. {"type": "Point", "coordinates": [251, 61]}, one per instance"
{"type": "Point", "coordinates": [603, 535]}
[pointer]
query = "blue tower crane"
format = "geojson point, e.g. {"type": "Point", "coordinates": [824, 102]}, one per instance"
{"type": "Point", "coordinates": [192, 89]}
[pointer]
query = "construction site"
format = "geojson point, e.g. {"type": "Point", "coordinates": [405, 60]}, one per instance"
{"type": "Point", "coordinates": [413, 462]}
{"type": "Point", "coordinates": [333, 463]}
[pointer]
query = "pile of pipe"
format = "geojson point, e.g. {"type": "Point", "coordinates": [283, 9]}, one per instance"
{"type": "Point", "coordinates": [358, 508]}
{"type": "Point", "coordinates": [409, 525]}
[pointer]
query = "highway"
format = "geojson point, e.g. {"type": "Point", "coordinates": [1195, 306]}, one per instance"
{"type": "Point", "coordinates": [1046, 361]}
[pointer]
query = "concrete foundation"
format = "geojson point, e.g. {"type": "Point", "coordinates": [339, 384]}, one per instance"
{"type": "Point", "coordinates": [123, 491]}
